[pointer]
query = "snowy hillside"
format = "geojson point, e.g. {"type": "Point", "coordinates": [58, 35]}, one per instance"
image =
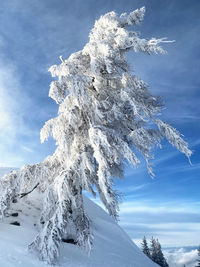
{"type": "Point", "coordinates": [112, 246]}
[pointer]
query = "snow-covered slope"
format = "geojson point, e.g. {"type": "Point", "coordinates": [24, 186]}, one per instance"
{"type": "Point", "coordinates": [112, 247]}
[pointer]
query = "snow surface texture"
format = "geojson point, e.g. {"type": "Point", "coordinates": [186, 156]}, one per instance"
{"type": "Point", "coordinates": [112, 246]}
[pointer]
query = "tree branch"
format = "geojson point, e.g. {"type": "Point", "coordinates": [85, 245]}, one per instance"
{"type": "Point", "coordinates": [21, 195]}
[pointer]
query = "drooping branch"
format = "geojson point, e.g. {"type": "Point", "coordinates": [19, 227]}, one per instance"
{"type": "Point", "coordinates": [21, 195]}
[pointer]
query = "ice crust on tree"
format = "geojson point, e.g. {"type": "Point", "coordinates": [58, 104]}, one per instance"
{"type": "Point", "coordinates": [106, 116]}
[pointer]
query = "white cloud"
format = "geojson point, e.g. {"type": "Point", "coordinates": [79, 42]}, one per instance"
{"type": "Point", "coordinates": [180, 257]}
{"type": "Point", "coordinates": [129, 189]}
{"type": "Point", "coordinates": [173, 223]}
{"type": "Point", "coordinates": [129, 207]}
{"type": "Point", "coordinates": [13, 106]}
{"type": "Point", "coordinates": [167, 226]}
{"type": "Point", "coordinates": [28, 149]}
{"type": "Point", "coordinates": [10, 109]}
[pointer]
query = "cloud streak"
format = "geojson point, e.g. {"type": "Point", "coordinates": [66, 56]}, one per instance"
{"type": "Point", "coordinates": [13, 106]}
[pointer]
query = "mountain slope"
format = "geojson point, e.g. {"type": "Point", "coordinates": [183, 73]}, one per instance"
{"type": "Point", "coordinates": [112, 247]}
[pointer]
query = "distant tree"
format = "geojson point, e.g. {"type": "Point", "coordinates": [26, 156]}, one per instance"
{"type": "Point", "coordinates": [105, 115]}
{"type": "Point", "coordinates": [153, 250]}
{"type": "Point", "coordinates": [198, 261]}
{"type": "Point", "coordinates": [145, 247]}
{"type": "Point", "coordinates": [156, 253]}
{"type": "Point", "coordinates": [160, 257]}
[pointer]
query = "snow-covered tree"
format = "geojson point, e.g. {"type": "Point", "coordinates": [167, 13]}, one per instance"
{"type": "Point", "coordinates": [145, 248]}
{"type": "Point", "coordinates": [156, 253]}
{"type": "Point", "coordinates": [160, 257]}
{"type": "Point", "coordinates": [153, 250]}
{"type": "Point", "coordinates": [106, 116]}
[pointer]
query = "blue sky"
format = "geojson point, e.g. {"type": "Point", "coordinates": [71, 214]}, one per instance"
{"type": "Point", "coordinates": [33, 34]}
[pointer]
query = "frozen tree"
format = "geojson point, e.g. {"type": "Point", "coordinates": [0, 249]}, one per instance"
{"type": "Point", "coordinates": [160, 257]}
{"type": "Point", "coordinates": [106, 116]}
{"type": "Point", "coordinates": [145, 248]}
{"type": "Point", "coordinates": [156, 253]}
{"type": "Point", "coordinates": [153, 250]}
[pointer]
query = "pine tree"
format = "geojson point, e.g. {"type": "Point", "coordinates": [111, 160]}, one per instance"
{"type": "Point", "coordinates": [160, 257]}
{"type": "Point", "coordinates": [145, 247]}
{"type": "Point", "coordinates": [198, 261]}
{"type": "Point", "coordinates": [105, 115]}
{"type": "Point", "coordinates": [153, 250]}
{"type": "Point", "coordinates": [156, 253]}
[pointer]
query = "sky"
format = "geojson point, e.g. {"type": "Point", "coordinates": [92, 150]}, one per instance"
{"type": "Point", "coordinates": [33, 34]}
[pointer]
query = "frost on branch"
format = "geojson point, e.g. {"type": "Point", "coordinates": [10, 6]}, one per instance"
{"type": "Point", "coordinates": [106, 116]}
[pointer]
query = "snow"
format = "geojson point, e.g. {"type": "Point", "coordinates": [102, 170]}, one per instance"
{"type": "Point", "coordinates": [112, 247]}
{"type": "Point", "coordinates": [5, 170]}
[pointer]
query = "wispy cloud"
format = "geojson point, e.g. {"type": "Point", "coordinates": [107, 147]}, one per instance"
{"type": "Point", "coordinates": [13, 107]}
{"type": "Point", "coordinates": [132, 188]}
{"type": "Point", "coordinates": [10, 116]}
{"type": "Point", "coordinates": [28, 149]}
{"type": "Point", "coordinates": [173, 223]}
{"type": "Point", "coordinates": [132, 206]}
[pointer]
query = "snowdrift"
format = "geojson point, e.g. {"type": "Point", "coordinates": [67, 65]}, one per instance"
{"type": "Point", "coordinates": [111, 246]}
